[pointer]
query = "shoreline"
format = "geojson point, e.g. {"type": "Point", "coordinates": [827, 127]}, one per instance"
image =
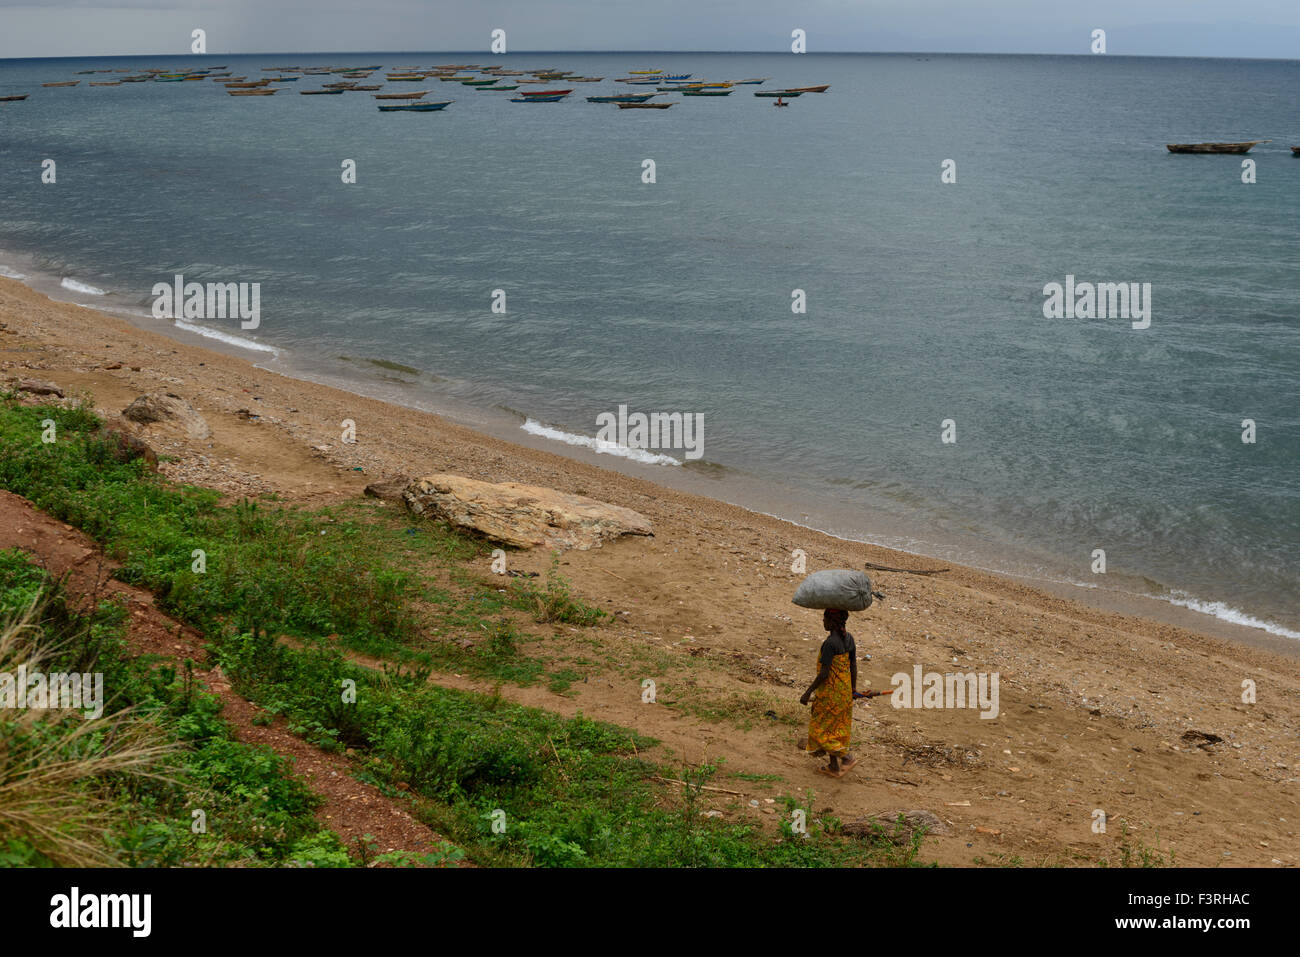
{"type": "Point", "coordinates": [755, 495]}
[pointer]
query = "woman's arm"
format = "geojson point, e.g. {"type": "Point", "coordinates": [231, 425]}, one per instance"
{"type": "Point", "coordinates": [820, 680]}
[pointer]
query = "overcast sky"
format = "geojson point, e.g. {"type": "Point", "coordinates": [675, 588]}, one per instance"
{"type": "Point", "coordinates": [1220, 28]}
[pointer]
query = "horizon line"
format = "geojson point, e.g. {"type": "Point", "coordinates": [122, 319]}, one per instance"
{"type": "Point", "coordinates": [490, 55]}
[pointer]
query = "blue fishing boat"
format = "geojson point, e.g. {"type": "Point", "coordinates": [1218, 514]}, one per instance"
{"type": "Point", "coordinates": [414, 107]}
{"type": "Point", "coordinates": [546, 98]}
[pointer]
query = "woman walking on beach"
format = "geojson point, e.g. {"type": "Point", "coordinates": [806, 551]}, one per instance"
{"type": "Point", "coordinates": [835, 684]}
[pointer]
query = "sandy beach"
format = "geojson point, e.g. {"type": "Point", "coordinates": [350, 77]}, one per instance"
{"type": "Point", "coordinates": [1098, 705]}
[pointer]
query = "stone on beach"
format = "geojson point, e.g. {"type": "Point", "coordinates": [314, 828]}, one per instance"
{"type": "Point", "coordinates": [168, 408]}
{"type": "Point", "coordinates": [525, 516]}
{"type": "Point", "coordinates": [126, 446]}
{"type": "Point", "coordinates": [39, 387]}
{"type": "Point", "coordinates": [389, 490]}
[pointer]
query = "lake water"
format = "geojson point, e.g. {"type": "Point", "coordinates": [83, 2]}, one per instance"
{"type": "Point", "coordinates": [924, 299]}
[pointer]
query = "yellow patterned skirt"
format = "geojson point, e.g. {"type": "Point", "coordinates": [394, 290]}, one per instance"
{"type": "Point", "coordinates": [832, 711]}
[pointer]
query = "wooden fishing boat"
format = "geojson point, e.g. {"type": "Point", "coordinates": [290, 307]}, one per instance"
{"type": "Point", "coordinates": [477, 82]}
{"type": "Point", "coordinates": [252, 92]}
{"type": "Point", "coordinates": [14, 97]}
{"type": "Point", "coordinates": [674, 78]}
{"type": "Point", "coordinates": [365, 89]}
{"type": "Point", "coordinates": [644, 72]}
{"type": "Point", "coordinates": [1214, 147]}
{"type": "Point", "coordinates": [286, 79]}
{"type": "Point", "coordinates": [621, 98]}
{"type": "Point", "coordinates": [499, 89]}
{"type": "Point", "coordinates": [105, 82]}
{"type": "Point", "coordinates": [321, 92]}
{"type": "Point", "coordinates": [706, 92]}
{"type": "Point", "coordinates": [348, 85]}
{"type": "Point", "coordinates": [788, 94]}
{"type": "Point", "coordinates": [753, 81]}
{"type": "Point", "coordinates": [254, 85]}
{"type": "Point", "coordinates": [584, 79]}
{"type": "Point", "coordinates": [644, 106]}
{"type": "Point", "coordinates": [531, 93]}
{"type": "Point", "coordinates": [1295, 149]}
{"type": "Point", "coordinates": [402, 96]}
{"type": "Point", "coordinates": [415, 107]}
{"type": "Point", "coordinates": [63, 83]}
{"type": "Point", "coordinates": [539, 98]}
{"type": "Point", "coordinates": [809, 89]}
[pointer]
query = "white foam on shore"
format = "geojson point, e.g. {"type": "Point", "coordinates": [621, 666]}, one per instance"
{"type": "Point", "coordinates": [73, 285]}
{"type": "Point", "coordinates": [10, 274]}
{"type": "Point", "coordinates": [533, 427]}
{"type": "Point", "coordinates": [226, 337]}
{"type": "Point", "coordinates": [1227, 613]}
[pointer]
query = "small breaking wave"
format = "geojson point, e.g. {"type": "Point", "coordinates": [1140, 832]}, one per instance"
{"type": "Point", "coordinates": [11, 274]}
{"type": "Point", "coordinates": [1227, 613]}
{"type": "Point", "coordinates": [73, 285]}
{"type": "Point", "coordinates": [226, 337]}
{"type": "Point", "coordinates": [533, 427]}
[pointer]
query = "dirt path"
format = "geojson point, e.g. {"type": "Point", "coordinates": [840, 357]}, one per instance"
{"type": "Point", "coordinates": [351, 809]}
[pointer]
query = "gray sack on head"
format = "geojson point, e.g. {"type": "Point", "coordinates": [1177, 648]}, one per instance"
{"type": "Point", "coordinates": [835, 588]}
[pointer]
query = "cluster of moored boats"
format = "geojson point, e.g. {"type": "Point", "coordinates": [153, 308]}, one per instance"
{"type": "Point", "coordinates": [482, 79]}
{"type": "Point", "coordinates": [494, 79]}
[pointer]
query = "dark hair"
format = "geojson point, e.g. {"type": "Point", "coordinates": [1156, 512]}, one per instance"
{"type": "Point", "coordinates": [838, 615]}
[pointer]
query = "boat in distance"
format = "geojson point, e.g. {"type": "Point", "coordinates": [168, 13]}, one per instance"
{"type": "Point", "coordinates": [778, 93]}
{"type": "Point", "coordinates": [664, 106]}
{"type": "Point", "coordinates": [543, 98]}
{"type": "Point", "coordinates": [621, 98]}
{"type": "Point", "coordinates": [809, 89]}
{"type": "Point", "coordinates": [252, 92]}
{"type": "Point", "coordinates": [401, 96]}
{"type": "Point", "coordinates": [429, 107]}
{"type": "Point", "coordinates": [546, 93]}
{"type": "Point", "coordinates": [1214, 147]}
{"type": "Point", "coordinates": [14, 97]}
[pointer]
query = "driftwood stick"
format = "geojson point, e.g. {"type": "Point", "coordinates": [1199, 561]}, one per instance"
{"type": "Point", "coordinates": [608, 572]}
{"type": "Point", "coordinates": [905, 571]}
{"type": "Point", "coordinates": [702, 787]}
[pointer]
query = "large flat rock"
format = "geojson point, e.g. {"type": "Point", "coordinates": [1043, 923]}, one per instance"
{"type": "Point", "coordinates": [525, 516]}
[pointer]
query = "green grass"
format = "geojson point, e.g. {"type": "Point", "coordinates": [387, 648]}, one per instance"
{"type": "Point", "coordinates": [573, 792]}
{"type": "Point", "coordinates": [119, 804]}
